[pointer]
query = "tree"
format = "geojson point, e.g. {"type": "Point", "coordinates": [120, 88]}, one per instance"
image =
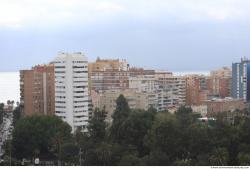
{"type": "Point", "coordinates": [1, 112]}
{"type": "Point", "coordinates": [16, 114]}
{"type": "Point", "coordinates": [119, 116]}
{"type": "Point", "coordinates": [70, 153]}
{"type": "Point", "coordinates": [97, 126]}
{"type": "Point", "coordinates": [199, 144]}
{"type": "Point", "coordinates": [135, 127]}
{"type": "Point", "coordinates": [164, 138]}
{"type": "Point", "coordinates": [130, 160]}
{"type": "Point", "coordinates": [39, 136]}
{"type": "Point", "coordinates": [219, 157]}
{"type": "Point", "coordinates": [122, 110]}
{"type": "Point", "coordinates": [95, 149]}
{"type": "Point", "coordinates": [104, 154]}
{"type": "Point", "coordinates": [185, 116]}
{"type": "Point", "coordinates": [244, 159]}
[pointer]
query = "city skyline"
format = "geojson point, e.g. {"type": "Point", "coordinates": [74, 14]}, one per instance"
{"type": "Point", "coordinates": [168, 35]}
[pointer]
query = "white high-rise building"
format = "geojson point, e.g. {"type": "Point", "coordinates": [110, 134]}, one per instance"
{"type": "Point", "coordinates": [71, 89]}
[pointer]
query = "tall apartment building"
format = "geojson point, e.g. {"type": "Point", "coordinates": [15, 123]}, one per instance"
{"type": "Point", "coordinates": [108, 64]}
{"type": "Point", "coordinates": [109, 79]}
{"type": "Point", "coordinates": [219, 82]}
{"type": "Point", "coordinates": [241, 80]}
{"type": "Point", "coordinates": [133, 72]}
{"type": "Point", "coordinates": [196, 92]}
{"type": "Point", "coordinates": [174, 86]}
{"type": "Point", "coordinates": [143, 83]}
{"type": "Point", "coordinates": [37, 89]}
{"type": "Point", "coordinates": [108, 74]}
{"type": "Point", "coordinates": [169, 90]}
{"type": "Point", "coordinates": [224, 72]}
{"type": "Point", "coordinates": [71, 89]}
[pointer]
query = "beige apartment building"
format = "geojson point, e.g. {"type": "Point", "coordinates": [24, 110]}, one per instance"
{"type": "Point", "coordinates": [224, 72]}
{"type": "Point", "coordinates": [106, 74]}
{"type": "Point", "coordinates": [136, 100]}
{"type": "Point", "coordinates": [169, 90]}
{"type": "Point", "coordinates": [37, 90]}
{"type": "Point", "coordinates": [219, 82]}
{"type": "Point", "coordinates": [174, 88]}
{"type": "Point", "coordinates": [108, 64]}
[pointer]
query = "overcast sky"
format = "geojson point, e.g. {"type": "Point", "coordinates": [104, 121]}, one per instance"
{"type": "Point", "coordinates": [175, 35]}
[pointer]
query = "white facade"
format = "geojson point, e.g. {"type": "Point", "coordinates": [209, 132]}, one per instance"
{"type": "Point", "coordinates": [71, 89]}
{"type": "Point", "coordinates": [169, 90]}
{"type": "Point", "coordinates": [202, 109]}
{"type": "Point", "coordinates": [143, 83]}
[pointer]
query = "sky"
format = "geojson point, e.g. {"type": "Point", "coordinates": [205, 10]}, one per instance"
{"type": "Point", "coordinates": [174, 35]}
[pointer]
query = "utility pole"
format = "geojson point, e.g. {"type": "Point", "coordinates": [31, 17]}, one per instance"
{"type": "Point", "coordinates": [10, 151]}
{"type": "Point", "coordinates": [80, 156]}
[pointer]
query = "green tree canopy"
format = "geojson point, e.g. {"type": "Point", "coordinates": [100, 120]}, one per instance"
{"type": "Point", "coordinates": [39, 136]}
{"type": "Point", "coordinates": [119, 116]}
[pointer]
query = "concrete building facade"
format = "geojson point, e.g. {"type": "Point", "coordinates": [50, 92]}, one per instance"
{"type": "Point", "coordinates": [37, 90]}
{"type": "Point", "coordinates": [219, 82]}
{"type": "Point", "coordinates": [105, 74]}
{"type": "Point", "coordinates": [196, 91]}
{"type": "Point", "coordinates": [71, 89]}
{"type": "Point", "coordinates": [216, 106]}
{"type": "Point", "coordinates": [136, 100]}
{"type": "Point", "coordinates": [241, 80]}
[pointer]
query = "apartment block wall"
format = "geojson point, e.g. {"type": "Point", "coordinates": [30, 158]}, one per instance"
{"type": "Point", "coordinates": [71, 89]}
{"type": "Point", "coordinates": [135, 100]}
{"type": "Point", "coordinates": [37, 89]}
{"type": "Point", "coordinates": [223, 105]}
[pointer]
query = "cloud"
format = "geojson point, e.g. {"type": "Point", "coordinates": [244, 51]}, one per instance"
{"type": "Point", "coordinates": [15, 13]}
{"type": "Point", "coordinates": [24, 13]}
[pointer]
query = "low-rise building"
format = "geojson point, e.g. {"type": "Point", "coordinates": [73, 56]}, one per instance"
{"type": "Point", "coordinates": [215, 106]}
{"type": "Point", "coordinates": [201, 109]}
{"type": "Point", "coordinates": [136, 100]}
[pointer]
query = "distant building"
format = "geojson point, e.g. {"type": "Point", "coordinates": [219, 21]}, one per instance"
{"type": "Point", "coordinates": [108, 64]}
{"type": "Point", "coordinates": [71, 89]}
{"type": "Point", "coordinates": [133, 72]}
{"type": "Point", "coordinates": [37, 90]}
{"type": "Point", "coordinates": [143, 83]}
{"type": "Point", "coordinates": [216, 106]}
{"type": "Point", "coordinates": [219, 87]}
{"type": "Point", "coordinates": [171, 91]}
{"type": "Point", "coordinates": [201, 109]}
{"type": "Point", "coordinates": [241, 80]}
{"type": "Point", "coordinates": [136, 100]}
{"type": "Point", "coordinates": [219, 83]}
{"type": "Point", "coordinates": [224, 72]}
{"type": "Point", "coordinates": [196, 91]}
{"type": "Point", "coordinates": [109, 79]}
{"type": "Point", "coordinates": [108, 74]}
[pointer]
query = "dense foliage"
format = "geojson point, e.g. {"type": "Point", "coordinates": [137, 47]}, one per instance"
{"type": "Point", "coordinates": [1, 112]}
{"type": "Point", "coordinates": [42, 136]}
{"type": "Point", "coordinates": [16, 114]}
{"type": "Point", "coordinates": [137, 137]}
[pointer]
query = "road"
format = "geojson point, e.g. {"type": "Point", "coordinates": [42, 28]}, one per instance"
{"type": "Point", "coordinates": [5, 130]}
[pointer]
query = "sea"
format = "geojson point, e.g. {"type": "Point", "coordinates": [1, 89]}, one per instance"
{"type": "Point", "coordinates": [10, 85]}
